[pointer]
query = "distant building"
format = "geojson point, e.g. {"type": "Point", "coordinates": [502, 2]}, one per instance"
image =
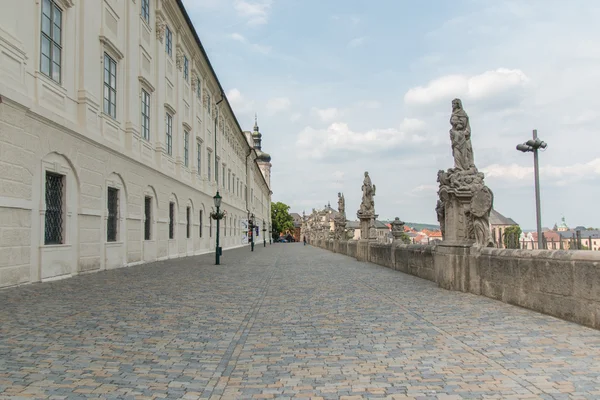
{"type": "Point", "coordinates": [297, 226]}
{"type": "Point", "coordinates": [382, 230]}
{"type": "Point", "coordinates": [498, 224]}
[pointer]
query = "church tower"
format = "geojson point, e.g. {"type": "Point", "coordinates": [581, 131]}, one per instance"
{"type": "Point", "coordinates": [263, 159]}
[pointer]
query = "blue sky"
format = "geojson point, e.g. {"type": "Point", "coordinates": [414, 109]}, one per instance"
{"type": "Point", "coordinates": [341, 87]}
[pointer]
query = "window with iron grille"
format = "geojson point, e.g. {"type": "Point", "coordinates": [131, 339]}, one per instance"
{"type": "Point", "coordinates": [223, 176]}
{"type": "Point", "coordinates": [110, 86]}
{"type": "Point", "coordinates": [145, 115]}
{"type": "Point", "coordinates": [186, 68]}
{"type": "Point", "coordinates": [54, 209]}
{"type": "Point", "coordinates": [186, 149]}
{"type": "Point", "coordinates": [199, 89]}
{"type": "Point", "coordinates": [200, 227]}
{"type": "Point", "coordinates": [171, 220]}
{"type": "Point", "coordinates": [229, 180]}
{"type": "Point", "coordinates": [209, 165]}
{"type": "Point", "coordinates": [199, 156]}
{"type": "Point", "coordinates": [148, 218]}
{"type": "Point", "coordinates": [51, 40]}
{"type": "Point", "coordinates": [113, 214]}
{"type": "Point", "coordinates": [169, 42]}
{"type": "Point", "coordinates": [188, 215]}
{"type": "Point", "coordinates": [169, 131]}
{"type": "Point", "coordinates": [146, 10]}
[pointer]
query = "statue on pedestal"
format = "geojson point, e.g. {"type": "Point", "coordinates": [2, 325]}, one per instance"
{"type": "Point", "coordinates": [465, 202]}
{"type": "Point", "coordinates": [341, 204]}
{"type": "Point", "coordinates": [367, 206]}
{"type": "Point", "coordinates": [460, 136]}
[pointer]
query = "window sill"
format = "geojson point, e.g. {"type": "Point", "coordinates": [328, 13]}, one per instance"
{"type": "Point", "coordinates": [55, 246]}
{"type": "Point", "coordinates": [114, 244]}
{"type": "Point", "coordinates": [55, 85]}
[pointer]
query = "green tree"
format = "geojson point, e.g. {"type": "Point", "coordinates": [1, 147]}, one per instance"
{"type": "Point", "coordinates": [281, 218]}
{"type": "Point", "coordinates": [511, 237]}
{"type": "Point", "coordinates": [405, 238]}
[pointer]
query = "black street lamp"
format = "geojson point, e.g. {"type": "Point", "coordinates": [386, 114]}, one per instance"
{"type": "Point", "coordinates": [217, 216]}
{"type": "Point", "coordinates": [533, 146]}
{"type": "Point", "coordinates": [264, 234]}
{"type": "Point", "coordinates": [251, 224]}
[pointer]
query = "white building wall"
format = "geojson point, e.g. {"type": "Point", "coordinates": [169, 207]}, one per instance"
{"type": "Point", "coordinates": [61, 127]}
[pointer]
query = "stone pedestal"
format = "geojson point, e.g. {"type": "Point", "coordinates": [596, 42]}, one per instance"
{"type": "Point", "coordinates": [368, 231]}
{"type": "Point", "coordinates": [362, 250]}
{"type": "Point", "coordinates": [452, 265]}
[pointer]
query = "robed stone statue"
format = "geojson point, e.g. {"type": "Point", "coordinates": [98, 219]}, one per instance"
{"type": "Point", "coordinates": [367, 205]}
{"type": "Point", "coordinates": [460, 135]}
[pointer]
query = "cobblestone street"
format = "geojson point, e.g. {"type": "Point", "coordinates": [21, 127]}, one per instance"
{"type": "Point", "coordinates": [286, 321]}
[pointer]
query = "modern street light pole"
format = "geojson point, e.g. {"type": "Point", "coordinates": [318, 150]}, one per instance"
{"type": "Point", "coordinates": [217, 216]}
{"type": "Point", "coordinates": [264, 234]}
{"type": "Point", "coordinates": [533, 146]}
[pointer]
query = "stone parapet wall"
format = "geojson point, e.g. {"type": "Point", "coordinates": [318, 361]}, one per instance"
{"type": "Point", "coordinates": [564, 284]}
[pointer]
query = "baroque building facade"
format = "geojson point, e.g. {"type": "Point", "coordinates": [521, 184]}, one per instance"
{"type": "Point", "coordinates": [115, 134]}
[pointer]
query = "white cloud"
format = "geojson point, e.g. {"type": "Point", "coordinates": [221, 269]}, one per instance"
{"type": "Point", "coordinates": [477, 87]}
{"type": "Point", "coordinates": [239, 103]}
{"type": "Point", "coordinates": [356, 42]}
{"type": "Point", "coordinates": [553, 174]}
{"type": "Point", "coordinates": [295, 117]}
{"type": "Point", "coordinates": [253, 46]}
{"type": "Point", "coordinates": [326, 114]}
{"type": "Point", "coordinates": [338, 137]}
{"type": "Point", "coordinates": [369, 104]}
{"type": "Point", "coordinates": [423, 190]}
{"type": "Point", "coordinates": [255, 12]}
{"type": "Point", "coordinates": [278, 104]}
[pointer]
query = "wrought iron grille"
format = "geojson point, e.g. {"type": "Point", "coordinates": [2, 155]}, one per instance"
{"type": "Point", "coordinates": [171, 220]}
{"type": "Point", "coordinates": [54, 209]}
{"type": "Point", "coordinates": [189, 222]}
{"type": "Point", "coordinates": [113, 215]}
{"type": "Point", "coordinates": [148, 218]}
{"type": "Point", "coordinates": [200, 228]}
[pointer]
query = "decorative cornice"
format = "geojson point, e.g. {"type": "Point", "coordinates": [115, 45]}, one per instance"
{"type": "Point", "coordinates": [186, 127]}
{"type": "Point", "coordinates": [170, 109]}
{"type": "Point", "coordinates": [66, 3]}
{"type": "Point", "coordinates": [146, 83]}
{"type": "Point", "coordinates": [108, 44]}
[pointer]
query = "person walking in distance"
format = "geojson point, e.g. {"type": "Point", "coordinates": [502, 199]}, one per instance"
{"type": "Point", "coordinates": [304, 240]}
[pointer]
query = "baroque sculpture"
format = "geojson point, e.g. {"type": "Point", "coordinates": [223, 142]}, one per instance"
{"type": "Point", "coordinates": [465, 202]}
{"type": "Point", "coordinates": [340, 219]}
{"type": "Point", "coordinates": [367, 206]}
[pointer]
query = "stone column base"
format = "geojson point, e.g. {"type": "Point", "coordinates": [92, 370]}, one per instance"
{"type": "Point", "coordinates": [362, 250]}
{"type": "Point", "coordinates": [455, 266]}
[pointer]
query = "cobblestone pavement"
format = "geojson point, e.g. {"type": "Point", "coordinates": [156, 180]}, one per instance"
{"type": "Point", "coordinates": [286, 321]}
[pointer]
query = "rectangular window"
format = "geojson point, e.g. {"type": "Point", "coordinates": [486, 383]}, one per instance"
{"type": "Point", "coordinates": [208, 102]}
{"type": "Point", "coordinates": [169, 131]}
{"type": "Point", "coordinates": [186, 149]}
{"type": "Point", "coordinates": [252, 196]}
{"type": "Point", "coordinates": [113, 214]}
{"type": "Point", "coordinates": [54, 209]}
{"type": "Point", "coordinates": [171, 220]}
{"type": "Point", "coordinates": [145, 115]}
{"type": "Point", "coordinates": [147, 218]}
{"type": "Point", "coordinates": [186, 68]}
{"type": "Point", "coordinates": [199, 156]}
{"type": "Point", "coordinates": [51, 40]}
{"type": "Point", "coordinates": [208, 169]}
{"type": "Point", "coordinates": [229, 180]}
{"type": "Point", "coordinates": [199, 89]}
{"type": "Point", "coordinates": [210, 227]}
{"type": "Point", "coordinates": [200, 227]}
{"type": "Point", "coordinates": [169, 42]}
{"type": "Point", "coordinates": [146, 10]}
{"type": "Point", "coordinates": [110, 86]}
{"type": "Point", "coordinates": [217, 172]}
{"type": "Point", "coordinates": [223, 176]}
{"type": "Point", "coordinates": [188, 216]}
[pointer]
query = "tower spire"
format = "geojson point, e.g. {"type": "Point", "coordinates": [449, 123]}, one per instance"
{"type": "Point", "coordinates": [255, 122]}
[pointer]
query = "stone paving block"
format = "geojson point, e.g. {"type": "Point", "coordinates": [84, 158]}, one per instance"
{"type": "Point", "coordinates": [286, 321]}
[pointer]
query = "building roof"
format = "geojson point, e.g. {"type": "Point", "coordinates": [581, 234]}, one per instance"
{"type": "Point", "coordinates": [498, 219]}
{"type": "Point", "coordinates": [584, 234]}
{"type": "Point", "coordinates": [356, 225]}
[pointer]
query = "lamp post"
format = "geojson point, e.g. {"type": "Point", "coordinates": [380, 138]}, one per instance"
{"type": "Point", "coordinates": [217, 216]}
{"type": "Point", "coordinates": [251, 223]}
{"type": "Point", "coordinates": [264, 234]}
{"type": "Point", "coordinates": [533, 145]}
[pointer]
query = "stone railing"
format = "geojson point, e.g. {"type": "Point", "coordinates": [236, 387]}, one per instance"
{"type": "Point", "coordinates": [564, 284]}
